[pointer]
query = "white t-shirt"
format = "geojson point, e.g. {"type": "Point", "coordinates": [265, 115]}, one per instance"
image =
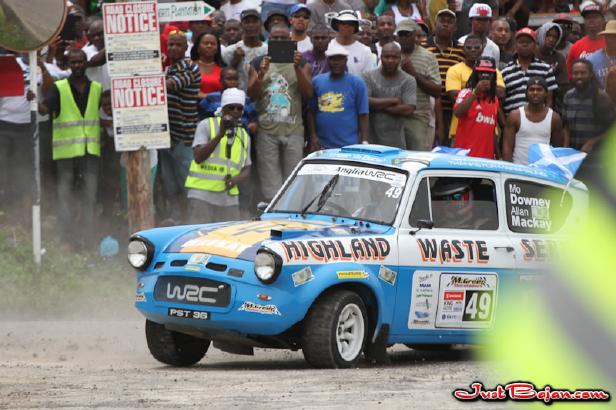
{"type": "Point", "coordinates": [304, 45]}
{"type": "Point", "coordinates": [490, 50]}
{"type": "Point", "coordinates": [233, 11]}
{"type": "Point", "coordinates": [249, 55]}
{"type": "Point", "coordinates": [360, 59]}
{"type": "Point", "coordinates": [100, 73]}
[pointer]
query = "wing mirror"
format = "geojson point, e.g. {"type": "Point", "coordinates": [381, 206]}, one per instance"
{"type": "Point", "coordinates": [423, 224]}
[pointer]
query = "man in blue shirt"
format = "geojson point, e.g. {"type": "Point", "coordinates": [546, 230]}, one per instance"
{"type": "Point", "coordinates": [338, 110]}
{"type": "Point", "coordinates": [604, 58]}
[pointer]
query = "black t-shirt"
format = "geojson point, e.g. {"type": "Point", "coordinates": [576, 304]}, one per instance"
{"type": "Point", "coordinates": [52, 99]}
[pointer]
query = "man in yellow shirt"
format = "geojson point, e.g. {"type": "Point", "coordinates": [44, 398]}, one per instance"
{"type": "Point", "coordinates": [458, 75]}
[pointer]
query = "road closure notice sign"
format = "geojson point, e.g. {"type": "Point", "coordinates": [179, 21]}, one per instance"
{"type": "Point", "coordinates": [140, 112]}
{"type": "Point", "coordinates": [132, 42]}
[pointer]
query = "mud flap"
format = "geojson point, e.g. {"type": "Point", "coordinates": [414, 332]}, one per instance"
{"type": "Point", "coordinates": [376, 352]}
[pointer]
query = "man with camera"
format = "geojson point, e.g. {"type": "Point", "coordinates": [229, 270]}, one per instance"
{"type": "Point", "coordinates": [221, 151]}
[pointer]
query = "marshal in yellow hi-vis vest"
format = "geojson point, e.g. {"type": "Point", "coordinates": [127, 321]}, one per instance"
{"type": "Point", "coordinates": [74, 134]}
{"type": "Point", "coordinates": [561, 332]}
{"type": "Point", "coordinates": [210, 174]}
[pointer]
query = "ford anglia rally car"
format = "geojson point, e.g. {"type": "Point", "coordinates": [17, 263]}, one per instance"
{"type": "Point", "coordinates": [363, 247]}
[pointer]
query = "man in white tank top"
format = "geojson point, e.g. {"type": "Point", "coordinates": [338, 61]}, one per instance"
{"type": "Point", "coordinates": [534, 123]}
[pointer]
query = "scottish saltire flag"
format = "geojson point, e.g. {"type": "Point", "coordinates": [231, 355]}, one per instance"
{"type": "Point", "coordinates": [440, 149]}
{"type": "Point", "coordinates": [564, 161]}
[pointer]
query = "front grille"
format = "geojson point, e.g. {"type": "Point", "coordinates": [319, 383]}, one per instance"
{"type": "Point", "coordinates": [192, 291]}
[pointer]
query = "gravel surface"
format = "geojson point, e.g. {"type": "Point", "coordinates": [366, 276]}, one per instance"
{"type": "Point", "coordinates": [106, 364]}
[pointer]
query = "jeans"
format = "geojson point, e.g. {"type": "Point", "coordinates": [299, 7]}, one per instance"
{"type": "Point", "coordinates": [173, 165]}
{"type": "Point", "coordinates": [16, 164]}
{"type": "Point", "coordinates": [278, 156]}
{"type": "Point", "coordinates": [77, 180]}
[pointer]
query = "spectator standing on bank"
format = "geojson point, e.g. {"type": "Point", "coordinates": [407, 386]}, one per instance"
{"type": "Point", "coordinates": [592, 41]}
{"type": "Point", "coordinates": [459, 74]}
{"type": "Point", "coordinates": [232, 32]}
{"type": "Point", "coordinates": [423, 67]}
{"type": "Point", "coordinates": [275, 17]}
{"type": "Point", "coordinates": [480, 15]}
{"type": "Point", "coordinates": [391, 97]}
{"type": "Point", "coordinates": [95, 52]}
{"type": "Point", "coordinates": [502, 34]}
{"type": "Point", "coordinates": [447, 53]}
{"type": "Point", "coordinates": [278, 89]}
{"type": "Point", "coordinates": [588, 112]}
{"type": "Point", "coordinates": [477, 110]}
{"type": "Point", "coordinates": [605, 58]}
{"type": "Point", "coordinates": [221, 151]}
{"type": "Point", "coordinates": [320, 36]}
{"type": "Point", "coordinates": [385, 27]}
{"type": "Point", "coordinates": [74, 105]}
{"type": "Point", "coordinates": [360, 58]}
{"type": "Point", "coordinates": [525, 65]}
{"type": "Point", "coordinates": [299, 16]}
{"type": "Point", "coordinates": [240, 54]}
{"type": "Point", "coordinates": [338, 111]}
{"type": "Point", "coordinates": [183, 81]}
{"type": "Point", "coordinates": [207, 55]}
{"type": "Point", "coordinates": [319, 8]}
{"type": "Point", "coordinates": [533, 123]}
{"type": "Point", "coordinates": [565, 23]}
{"type": "Point", "coordinates": [548, 36]}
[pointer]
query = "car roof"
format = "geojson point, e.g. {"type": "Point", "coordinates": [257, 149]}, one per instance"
{"type": "Point", "coordinates": [415, 161]}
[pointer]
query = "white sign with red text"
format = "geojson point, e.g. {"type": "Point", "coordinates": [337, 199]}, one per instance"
{"type": "Point", "coordinates": [132, 41]}
{"type": "Point", "coordinates": [140, 112]}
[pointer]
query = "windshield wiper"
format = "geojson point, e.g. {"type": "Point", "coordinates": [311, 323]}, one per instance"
{"type": "Point", "coordinates": [322, 196]}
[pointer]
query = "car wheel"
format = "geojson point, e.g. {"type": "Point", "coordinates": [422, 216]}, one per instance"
{"type": "Point", "coordinates": [174, 348]}
{"type": "Point", "coordinates": [429, 347]}
{"type": "Point", "coordinates": [334, 331]}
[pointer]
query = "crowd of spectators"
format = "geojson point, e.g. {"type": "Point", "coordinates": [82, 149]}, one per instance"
{"type": "Point", "coordinates": [412, 74]}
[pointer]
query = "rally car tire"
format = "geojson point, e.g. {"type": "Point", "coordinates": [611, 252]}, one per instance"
{"type": "Point", "coordinates": [174, 348]}
{"type": "Point", "coordinates": [325, 343]}
{"type": "Point", "coordinates": [429, 347]}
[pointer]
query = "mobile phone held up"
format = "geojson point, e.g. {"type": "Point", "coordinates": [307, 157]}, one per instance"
{"type": "Point", "coordinates": [281, 51]}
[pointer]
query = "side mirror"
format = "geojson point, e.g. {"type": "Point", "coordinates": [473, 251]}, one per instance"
{"type": "Point", "coordinates": [262, 206]}
{"type": "Point", "coordinates": [423, 224]}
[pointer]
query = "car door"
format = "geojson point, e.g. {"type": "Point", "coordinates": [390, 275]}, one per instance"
{"type": "Point", "coordinates": [449, 274]}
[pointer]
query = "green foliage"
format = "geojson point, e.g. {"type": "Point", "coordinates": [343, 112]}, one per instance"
{"type": "Point", "coordinates": [68, 284]}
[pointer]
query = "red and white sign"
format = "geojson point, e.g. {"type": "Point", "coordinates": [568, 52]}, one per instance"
{"type": "Point", "coordinates": [132, 42]}
{"type": "Point", "coordinates": [140, 116]}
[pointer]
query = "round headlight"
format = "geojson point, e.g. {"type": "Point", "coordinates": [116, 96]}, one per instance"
{"type": "Point", "coordinates": [267, 266]}
{"type": "Point", "coordinates": [138, 254]}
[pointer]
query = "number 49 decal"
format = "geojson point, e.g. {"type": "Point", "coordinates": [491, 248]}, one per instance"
{"type": "Point", "coordinates": [478, 306]}
{"type": "Point", "coordinates": [393, 192]}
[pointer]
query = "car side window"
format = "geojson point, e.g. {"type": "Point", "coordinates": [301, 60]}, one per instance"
{"type": "Point", "coordinates": [421, 205]}
{"type": "Point", "coordinates": [536, 208]}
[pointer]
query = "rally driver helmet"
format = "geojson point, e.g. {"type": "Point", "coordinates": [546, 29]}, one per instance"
{"type": "Point", "coordinates": [456, 208]}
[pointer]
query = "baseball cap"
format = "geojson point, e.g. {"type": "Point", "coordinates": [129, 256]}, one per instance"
{"type": "Point", "coordinates": [589, 6]}
{"type": "Point", "coordinates": [446, 12]}
{"type": "Point", "coordinates": [272, 13]}
{"type": "Point", "coordinates": [335, 49]}
{"type": "Point", "coordinates": [526, 31]}
{"type": "Point", "coordinates": [486, 64]}
{"type": "Point", "coordinates": [407, 25]}
{"type": "Point", "coordinates": [250, 13]}
{"type": "Point", "coordinates": [536, 80]}
{"type": "Point", "coordinates": [299, 7]}
{"type": "Point", "coordinates": [563, 18]}
{"type": "Point", "coordinates": [480, 10]}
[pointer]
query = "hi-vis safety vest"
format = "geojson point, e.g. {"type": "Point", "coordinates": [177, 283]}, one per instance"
{"type": "Point", "coordinates": [75, 135]}
{"type": "Point", "coordinates": [210, 174]}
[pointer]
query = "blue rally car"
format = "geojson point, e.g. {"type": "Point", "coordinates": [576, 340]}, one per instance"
{"type": "Point", "coordinates": [363, 247]}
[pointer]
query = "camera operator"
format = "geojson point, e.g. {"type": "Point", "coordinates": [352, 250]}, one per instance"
{"type": "Point", "coordinates": [221, 150]}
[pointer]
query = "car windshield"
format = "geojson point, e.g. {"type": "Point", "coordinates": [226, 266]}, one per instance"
{"type": "Point", "coordinates": [344, 190]}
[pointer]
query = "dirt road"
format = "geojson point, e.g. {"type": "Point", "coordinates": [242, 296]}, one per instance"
{"type": "Point", "coordinates": [106, 364]}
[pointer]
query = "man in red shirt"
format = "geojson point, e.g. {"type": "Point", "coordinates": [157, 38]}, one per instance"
{"type": "Point", "coordinates": [477, 109]}
{"type": "Point", "coordinates": [592, 41]}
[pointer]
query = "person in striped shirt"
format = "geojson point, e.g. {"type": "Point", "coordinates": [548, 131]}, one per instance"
{"type": "Point", "coordinates": [524, 66]}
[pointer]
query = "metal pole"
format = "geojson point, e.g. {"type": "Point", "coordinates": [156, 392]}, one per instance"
{"type": "Point", "coordinates": [36, 187]}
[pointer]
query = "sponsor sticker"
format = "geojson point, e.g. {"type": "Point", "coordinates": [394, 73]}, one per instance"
{"type": "Point", "coordinates": [467, 300]}
{"type": "Point", "coordinates": [140, 297]}
{"type": "Point", "coordinates": [302, 276]}
{"type": "Point", "coordinates": [387, 275]}
{"type": "Point", "coordinates": [197, 261]}
{"type": "Point", "coordinates": [188, 313]}
{"type": "Point", "coordinates": [422, 309]}
{"type": "Point", "coordinates": [352, 274]}
{"type": "Point", "coordinates": [262, 309]}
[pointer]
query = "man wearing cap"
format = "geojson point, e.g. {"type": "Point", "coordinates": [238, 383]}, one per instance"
{"type": "Point", "coordinates": [423, 67]}
{"type": "Point", "coordinates": [480, 15]}
{"type": "Point", "coordinates": [523, 66]}
{"type": "Point", "coordinates": [300, 19]}
{"type": "Point", "coordinates": [605, 58]}
{"type": "Point", "coordinates": [221, 151]}
{"type": "Point", "coordinates": [360, 58]}
{"type": "Point", "coordinates": [532, 123]}
{"type": "Point", "coordinates": [447, 53]}
{"type": "Point", "coordinates": [592, 41]}
{"type": "Point", "coordinates": [338, 111]}
{"type": "Point", "coordinates": [274, 17]}
{"type": "Point", "coordinates": [566, 23]}
{"type": "Point", "coordinates": [392, 98]}
{"type": "Point", "coordinates": [240, 54]}
{"type": "Point", "coordinates": [319, 9]}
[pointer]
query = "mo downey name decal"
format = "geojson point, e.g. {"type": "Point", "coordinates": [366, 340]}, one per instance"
{"type": "Point", "coordinates": [324, 250]}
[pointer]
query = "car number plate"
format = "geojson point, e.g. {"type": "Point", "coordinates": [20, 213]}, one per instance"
{"type": "Point", "coordinates": [188, 313]}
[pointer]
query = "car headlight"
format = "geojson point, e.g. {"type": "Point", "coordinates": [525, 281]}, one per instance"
{"type": "Point", "coordinates": [267, 266]}
{"type": "Point", "coordinates": [139, 253]}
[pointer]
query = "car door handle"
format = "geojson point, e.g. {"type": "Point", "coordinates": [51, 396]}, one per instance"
{"type": "Point", "coordinates": [507, 248]}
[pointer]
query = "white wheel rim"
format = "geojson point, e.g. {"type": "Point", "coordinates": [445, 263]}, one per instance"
{"type": "Point", "coordinates": [350, 332]}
